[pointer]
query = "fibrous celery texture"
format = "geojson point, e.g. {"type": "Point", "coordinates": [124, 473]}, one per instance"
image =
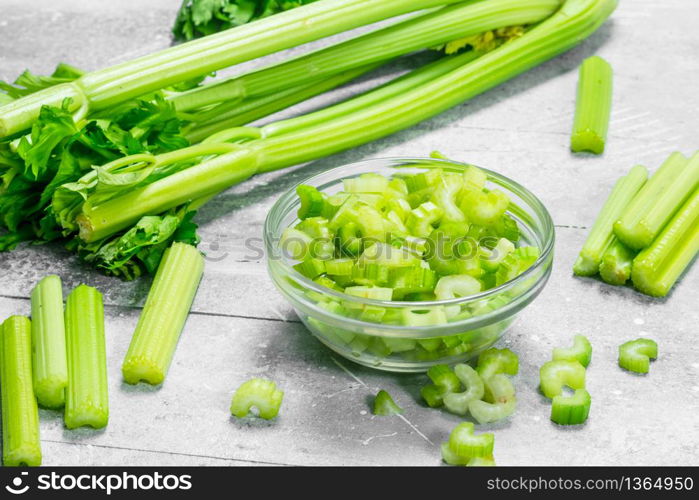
{"type": "Point", "coordinates": [87, 400]}
{"type": "Point", "coordinates": [164, 315]}
{"type": "Point", "coordinates": [635, 355]}
{"type": "Point", "coordinates": [571, 410]}
{"type": "Point", "coordinates": [616, 264]}
{"type": "Point", "coordinates": [464, 445]}
{"type": "Point", "coordinates": [656, 203]}
{"type": "Point", "coordinates": [20, 414]}
{"type": "Point", "coordinates": [49, 343]}
{"type": "Point", "coordinates": [384, 405]}
{"type": "Point", "coordinates": [581, 351]}
{"type": "Point", "coordinates": [601, 235]}
{"type": "Point", "coordinates": [593, 106]}
{"type": "Point", "coordinates": [656, 269]}
{"type": "Point", "coordinates": [258, 393]}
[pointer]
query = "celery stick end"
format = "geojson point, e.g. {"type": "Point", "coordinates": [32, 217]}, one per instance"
{"type": "Point", "coordinates": [587, 141]}
{"type": "Point", "coordinates": [585, 266]}
{"type": "Point", "coordinates": [135, 370]}
{"type": "Point", "coordinates": [27, 455]}
{"type": "Point", "coordinates": [51, 393]}
{"type": "Point", "coordinates": [96, 417]}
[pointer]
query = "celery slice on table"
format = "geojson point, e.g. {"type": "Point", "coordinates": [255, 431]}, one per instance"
{"type": "Point", "coordinates": [494, 361]}
{"type": "Point", "coordinates": [593, 106]}
{"type": "Point", "coordinates": [601, 235]}
{"type": "Point", "coordinates": [457, 402]}
{"type": "Point", "coordinates": [656, 269]}
{"type": "Point", "coordinates": [554, 375]}
{"type": "Point", "coordinates": [87, 401]}
{"type": "Point", "coordinates": [259, 393]}
{"type": "Point", "coordinates": [581, 351]}
{"type": "Point", "coordinates": [154, 342]}
{"type": "Point", "coordinates": [50, 366]}
{"type": "Point", "coordinates": [504, 402]}
{"type": "Point", "coordinates": [20, 413]}
{"type": "Point", "coordinates": [617, 263]}
{"type": "Point", "coordinates": [384, 405]}
{"type": "Point", "coordinates": [571, 410]}
{"type": "Point", "coordinates": [465, 444]}
{"type": "Point", "coordinates": [656, 203]}
{"type": "Point", "coordinates": [635, 355]}
{"type": "Point", "coordinates": [444, 381]}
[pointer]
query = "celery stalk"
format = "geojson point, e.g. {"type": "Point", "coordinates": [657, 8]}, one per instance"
{"type": "Point", "coordinates": [657, 202]}
{"type": "Point", "coordinates": [163, 317]}
{"type": "Point", "coordinates": [601, 235]}
{"type": "Point", "coordinates": [87, 400]}
{"type": "Point", "coordinates": [635, 355]}
{"type": "Point", "coordinates": [107, 87]}
{"type": "Point", "coordinates": [49, 343]}
{"type": "Point", "coordinates": [615, 268]}
{"type": "Point", "coordinates": [593, 107]}
{"type": "Point", "coordinates": [566, 28]}
{"type": "Point", "coordinates": [656, 269]}
{"type": "Point", "coordinates": [20, 414]}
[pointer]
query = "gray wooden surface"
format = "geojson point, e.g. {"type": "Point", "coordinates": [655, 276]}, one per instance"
{"type": "Point", "coordinates": [240, 326]}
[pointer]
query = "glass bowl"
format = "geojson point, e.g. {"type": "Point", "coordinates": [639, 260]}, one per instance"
{"type": "Point", "coordinates": [368, 336]}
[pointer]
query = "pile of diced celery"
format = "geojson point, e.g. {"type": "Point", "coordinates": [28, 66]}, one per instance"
{"type": "Point", "coordinates": [427, 236]}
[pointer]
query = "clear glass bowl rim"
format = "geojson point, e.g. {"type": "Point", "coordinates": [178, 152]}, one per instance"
{"type": "Point", "coordinates": [289, 200]}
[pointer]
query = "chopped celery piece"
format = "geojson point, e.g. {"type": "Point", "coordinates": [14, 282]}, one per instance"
{"type": "Point", "coordinates": [635, 355]}
{"type": "Point", "coordinates": [398, 344]}
{"type": "Point", "coordinates": [482, 207]}
{"type": "Point", "coordinates": [389, 256]}
{"type": "Point", "coordinates": [424, 317]}
{"type": "Point", "coordinates": [384, 405]}
{"type": "Point", "coordinates": [554, 375]}
{"type": "Point", "coordinates": [494, 257]}
{"type": "Point", "coordinates": [20, 414]}
{"type": "Point", "coordinates": [87, 401]}
{"type": "Point", "coordinates": [456, 285]}
{"type": "Point", "coordinates": [659, 199]}
{"type": "Point", "coordinates": [444, 381]}
{"type": "Point", "coordinates": [367, 292]}
{"type": "Point", "coordinates": [408, 280]}
{"type": "Point", "coordinates": [494, 361]}
{"type": "Point", "coordinates": [339, 267]}
{"type": "Point", "coordinates": [502, 392]}
{"type": "Point", "coordinates": [571, 410]}
{"type": "Point", "coordinates": [163, 317]}
{"type": "Point", "coordinates": [465, 444]}
{"type": "Point", "coordinates": [433, 395]}
{"type": "Point", "coordinates": [328, 283]}
{"type": "Point", "coordinates": [310, 267]}
{"type": "Point", "coordinates": [474, 177]}
{"type": "Point", "coordinates": [616, 264]}
{"type": "Point", "coordinates": [581, 351]}
{"type": "Point", "coordinates": [601, 235]}
{"type": "Point", "coordinates": [451, 457]}
{"type": "Point", "coordinates": [444, 196]}
{"type": "Point", "coordinates": [322, 245]}
{"type": "Point", "coordinates": [656, 269]}
{"type": "Point", "coordinates": [295, 244]}
{"type": "Point", "coordinates": [515, 264]}
{"type": "Point", "coordinates": [370, 273]}
{"type": "Point", "coordinates": [593, 106]}
{"type": "Point", "coordinates": [366, 183]}
{"type": "Point", "coordinates": [350, 240]}
{"type": "Point", "coordinates": [422, 180]}
{"type": "Point", "coordinates": [259, 393]}
{"type": "Point", "coordinates": [458, 402]}
{"type": "Point", "coordinates": [312, 201]}
{"type": "Point", "coordinates": [420, 220]}
{"type": "Point", "coordinates": [50, 365]}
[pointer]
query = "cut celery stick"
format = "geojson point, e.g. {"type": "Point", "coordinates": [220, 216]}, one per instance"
{"type": "Point", "coordinates": [593, 106]}
{"type": "Point", "coordinates": [87, 401]}
{"type": "Point", "coordinates": [465, 444]}
{"type": "Point", "coordinates": [163, 317]}
{"type": "Point", "coordinates": [656, 269]}
{"type": "Point", "coordinates": [635, 355]}
{"type": "Point", "coordinates": [20, 414]}
{"type": "Point", "coordinates": [658, 201]}
{"type": "Point", "coordinates": [50, 367]}
{"type": "Point", "coordinates": [580, 352]}
{"type": "Point", "coordinates": [458, 402]}
{"type": "Point", "coordinates": [259, 393]}
{"type": "Point", "coordinates": [616, 264]}
{"type": "Point", "coordinates": [384, 405]}
{"type": "Point", "coordinates": [571, 410]}
{"type": "Point", "coordinates": [601, 235]}
{"type": "Point", "coordinates": [504, 402]}
{"type": "Point", "coordinates": [493, 361]}
{"type": "Point", "coordinates": [554, 375]}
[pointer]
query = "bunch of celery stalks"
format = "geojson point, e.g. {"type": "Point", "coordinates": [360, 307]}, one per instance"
{"type": "Point", "coordinates": [115, 162]}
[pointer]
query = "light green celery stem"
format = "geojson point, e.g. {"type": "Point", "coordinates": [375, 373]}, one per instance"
{"type": "Point", "coordinates": [658, 201]}
{"type": "Point", "coordinates": [593, 106]}
{"type": "Point", "coordinates": [20, 414]}
{"type": "Point", "coordinates": [615, 268]}
{"type": "Point", "coordinates": [435, 28]}
{"type": "Point", "coordinates": [164, 315]}
{"type": "Point", "coordinates": [87, 400]}
{"type": "Point", "coordinates": [49, 343]}
{"type": "Point", "coordinates": [107, 87]}
{"type": "Point", "coordinates": [576, 20]}
{"type": "Point", "coordinates": [656, 269]}
{"type": "Point", "coordinates": [602, 233]}
{"type": "Point", "coordinates": [255, 108]}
